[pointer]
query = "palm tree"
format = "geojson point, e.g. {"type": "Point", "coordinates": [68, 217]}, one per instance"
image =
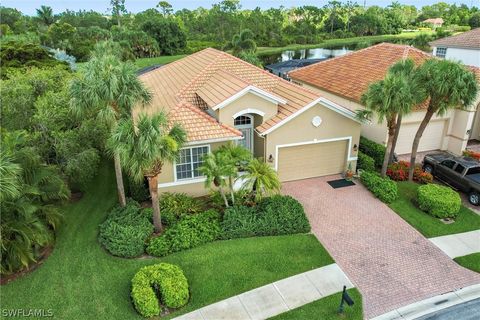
{"type": "Point", "coordinates": [237, 157]}
{"type": "Point", "coordinates": [243, 42]}
{"type": "Point", "coordinates": [10, 173]}
{"type": "Point", "coordinates": [45, 14]}
{"type": "Point", "coordinates": [110, 87]}
{"type": "Point", "coordinates": [216, 166]}
{"type": "Point", "coordinates": [390, 98]}
{"type": "Point", "coordinates": [143, 147]}
{"type": "Point", "coordinates": [448, 85]}
{"type": "Point", "coordinates": [261, 179]}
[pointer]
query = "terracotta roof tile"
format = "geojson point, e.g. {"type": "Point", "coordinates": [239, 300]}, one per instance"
{"type": "Point", "coordinates": [469, 39]}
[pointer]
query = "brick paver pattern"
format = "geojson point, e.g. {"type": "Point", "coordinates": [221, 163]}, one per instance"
{"type": "Point", "coordinates": [390, 262]}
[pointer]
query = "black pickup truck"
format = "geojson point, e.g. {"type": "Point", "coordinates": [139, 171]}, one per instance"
{"type": "Point", "coordinates": [462, 173]}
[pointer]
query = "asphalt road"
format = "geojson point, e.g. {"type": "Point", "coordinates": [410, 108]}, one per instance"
{"type": "Point", "coordinates": [465, 311]}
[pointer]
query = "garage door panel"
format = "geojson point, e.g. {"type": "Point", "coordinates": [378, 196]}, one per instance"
{"type": "Point", "coordinates": [312, 160]}
{"type": "Point", "coordinates": [432, 137]}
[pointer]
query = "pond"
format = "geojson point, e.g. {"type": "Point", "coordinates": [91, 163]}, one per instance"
{"type": "Point", "coordinates": [314, 53]}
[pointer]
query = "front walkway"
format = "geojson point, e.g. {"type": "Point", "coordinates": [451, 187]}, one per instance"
{"type": "Point", "coordinates": [390, 262]}
{"type": "Point", "coordinates": [458, 245]}
{"type": "Point", "coordinates": [277, 297]}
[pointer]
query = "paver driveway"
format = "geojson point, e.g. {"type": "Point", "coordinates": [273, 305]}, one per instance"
{"type": "Point", "coordinates": [390, 262]}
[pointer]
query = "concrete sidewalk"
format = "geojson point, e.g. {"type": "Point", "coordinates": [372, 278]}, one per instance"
{"type": "Point", "coordinates": [277, 297]}
{"type": "Point", "coordinates": [459, 244]}
{"type": "Point", "coordinates": [434, 304]}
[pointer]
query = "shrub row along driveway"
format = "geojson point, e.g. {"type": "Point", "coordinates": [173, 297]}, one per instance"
{"type": "Point", "coordinates": [390, 262]}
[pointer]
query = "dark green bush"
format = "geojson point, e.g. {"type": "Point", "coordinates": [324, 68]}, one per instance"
{"type": "Point", "coordinates": [138, 191]}
{"type": "Point", "coordinates": [168, 280]}
{"type": "Point", "coordinates": [125, 230]}
{"type": "Point", "coordinates": [439, 201]}
{"type": "Point", "coordinates": [175, 206]}
{"type": "Point", "coordinates": [373, 150]}
{"type": "Point", "coordinates": [191, 231]}
{"type": "Point", "coordinates": [275, 215]}
{"type": "Point", "coordinates": [383, 188]}
{"type": "Point", "coordinates": [365, 162]}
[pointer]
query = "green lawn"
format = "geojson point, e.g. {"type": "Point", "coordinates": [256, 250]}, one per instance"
{"type": "Point", "coordinates": [471, 261]}
{"type": "Point", "coordinates": [81, 281]}
{"type": "Point", "coordinates": [326, 309]}
{"type": "Point", "coordinates": [332, 43]}
{"type": "Point", "coordinates": [429, 226]}
{"type": "Point", "coordinates": [146, 62]}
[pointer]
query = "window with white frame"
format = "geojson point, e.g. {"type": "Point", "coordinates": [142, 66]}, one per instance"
{"type": "Point", "coordinates": [441, 52]}
{"type": "Point", "coordinates": [189, 162]}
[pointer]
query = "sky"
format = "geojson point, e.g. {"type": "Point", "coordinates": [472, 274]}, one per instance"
{"type": "Point", "coordinates": [29, 6]}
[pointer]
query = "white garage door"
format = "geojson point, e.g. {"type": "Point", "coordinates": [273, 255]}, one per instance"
{"type": "Point", "coordinates": [431, 139]}
{"type": "Point", "coordinates": [312, 160]}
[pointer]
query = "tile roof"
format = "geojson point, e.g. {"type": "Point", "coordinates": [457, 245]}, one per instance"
{"type": "Point", "coordinates": [187, 87]}
{"type": "Point", "coordinates": [350, 75]}
{"type": "Point", "coordinates": [469, 39]}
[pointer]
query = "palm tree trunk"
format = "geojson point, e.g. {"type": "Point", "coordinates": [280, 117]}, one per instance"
{"type": "Point", "coordinates": [395, 138]}
{"type": "Point", "coordinates": [388, 151]}
{"type": "Point", "coordinates": [157, 218]}
{"type": "Point", "coordinates": [119, 177]}
{"type": "Point", "coordinates": [232, 193]}
{"type": "Point", "coordinates": [222, 193]}
{"type": "Point", "coordinates": [416, 142]}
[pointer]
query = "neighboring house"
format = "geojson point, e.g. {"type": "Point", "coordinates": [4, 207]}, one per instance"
{"type": "Point", "coordinates": [219, 98]}
{"type": "Point", "coordinates": [435, 22]}
{"type": "Point", "coordinates": [464, 47]}
{"type": "Point", "coordinates": [344, 79]}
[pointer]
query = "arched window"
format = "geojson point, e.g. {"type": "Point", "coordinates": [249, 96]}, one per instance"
{"type": "Point", "coordinates": [243, 120]}
{"type": "Point", "coordinates": [244, 124]}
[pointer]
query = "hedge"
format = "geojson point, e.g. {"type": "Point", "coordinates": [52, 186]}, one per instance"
{"type": "Point", "coordinates": [365, 162]}
{"type": "Point", "coordinates": [276, 215]}
{"type": "Point", "coordinates": [175, 206]}
{"type": "Point", "coordinates": [190, 232]}
{"type": "Point", "coordinates": [439, 201]}
{"type": "Point", "coordinates": [383, 188]}
{"type": "Point", "coordinates": [125, 230]}
{"type": "Point", "coordinates": [373, 150]}
{"type": "Point", "coordinates": [168, 279]}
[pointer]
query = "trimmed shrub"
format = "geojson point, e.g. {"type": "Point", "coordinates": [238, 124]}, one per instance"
{"type": "Point", "coordinates": [383, 188]}
{"type": "Point", "coordinates": [168, 280]}
{"type": "Point", "coordinates": [439, 201]}
{"type": "Point", "coordinates": [365, 162]}
{"type": "Point", "coordinates": [190, 232]}
{"type": "Point", "coordinates": [175, 206]}
{"type": "Point", "coordinates": [373, 150]}
{"type": "Point", "coordinates": [399, 172]}
{"type": "Point", "coordinates": [274, 215]}
{"type": "Point", "coordinates": [125, 230]}
{"type": "Point", "coordinates": [472, 154]}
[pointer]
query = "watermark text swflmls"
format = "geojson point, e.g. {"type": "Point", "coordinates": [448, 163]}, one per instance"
{"type": "Point", "coordinates": [37, 313]}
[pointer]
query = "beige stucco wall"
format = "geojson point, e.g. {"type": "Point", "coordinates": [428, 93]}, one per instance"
{"type": "Point", "coordinates": [248, 101]}
{"type": "Point", "coordinates": [301, 129]}
{"type": "Point", "coordinates": [195, 189]}
{"type": "Point", "coordinates": [258, 141]}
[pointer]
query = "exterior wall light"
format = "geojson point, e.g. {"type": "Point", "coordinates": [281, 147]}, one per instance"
{"type": "Point", "coordinates": [270, 158]}
{"type": "Point", "coordinates": [355, 147]}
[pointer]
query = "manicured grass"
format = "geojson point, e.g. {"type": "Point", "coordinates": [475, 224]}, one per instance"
{"type": "Point", "coordinates": [326, 309]}
{"type": "Point", "coordinates": [429, 226]}
{"type": "Point", "coordinates": [81, 281]}
{"type": "Point", "coordinates": [146, 62]}
{"type": "Point", "coordinates": [471, 261]}
{"type": "Point", "coordinates": [333, 43]}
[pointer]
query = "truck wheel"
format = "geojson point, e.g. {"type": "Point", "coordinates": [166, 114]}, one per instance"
{"type": "Point", "coordinates": [474, 198]}
{"type": "Point", "coordinates": [428, 168]}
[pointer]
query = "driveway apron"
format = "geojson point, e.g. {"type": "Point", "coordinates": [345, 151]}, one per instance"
{"type": "Point", "coordinates": [390, 262]}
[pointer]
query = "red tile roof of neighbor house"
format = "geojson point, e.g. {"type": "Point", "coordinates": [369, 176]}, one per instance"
{"type": "Point", "coordinates": [187, 87]}
{"type": "Point", "coordinates": [350, 75]}
{"type": "Point", "coordinates": [434, 21]}
{"type": "Point", "coordinates": [469, 39]}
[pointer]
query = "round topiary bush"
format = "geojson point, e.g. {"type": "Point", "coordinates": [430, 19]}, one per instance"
{"type": "Point", "coordinates": [439, 201]}
{"type": "Point", "coordinates": [166, 280]}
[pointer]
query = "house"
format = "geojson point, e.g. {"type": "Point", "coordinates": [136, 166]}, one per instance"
{"type": "Point", "coordinates": [435, 22]}
{"type": "Point", "coordinates": [344, 79]}
{"type": "Point", "coordinates": [464, 47]}
{"type": "Point", "coordinates": [218, 98]}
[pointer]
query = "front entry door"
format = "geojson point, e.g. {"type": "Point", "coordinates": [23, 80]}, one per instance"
{"type": "Point", "coordinates": [244, 124]}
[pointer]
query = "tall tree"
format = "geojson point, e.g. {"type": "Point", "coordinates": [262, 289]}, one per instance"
{"type": "Point", "coordinates": [111, 87]}
{"type": "Point", "coordinates": [118, 8]}
{"type": "Point", "coordinates": [165, 7]}
{"type": "Point", "coordinates": [45, 14]}
{"type": "Point", "coordinates": [448, 85]}
{"type": "Point", "coordinates": [143, 147]}
{"type": "Point", "coordinates": [395, 95]}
